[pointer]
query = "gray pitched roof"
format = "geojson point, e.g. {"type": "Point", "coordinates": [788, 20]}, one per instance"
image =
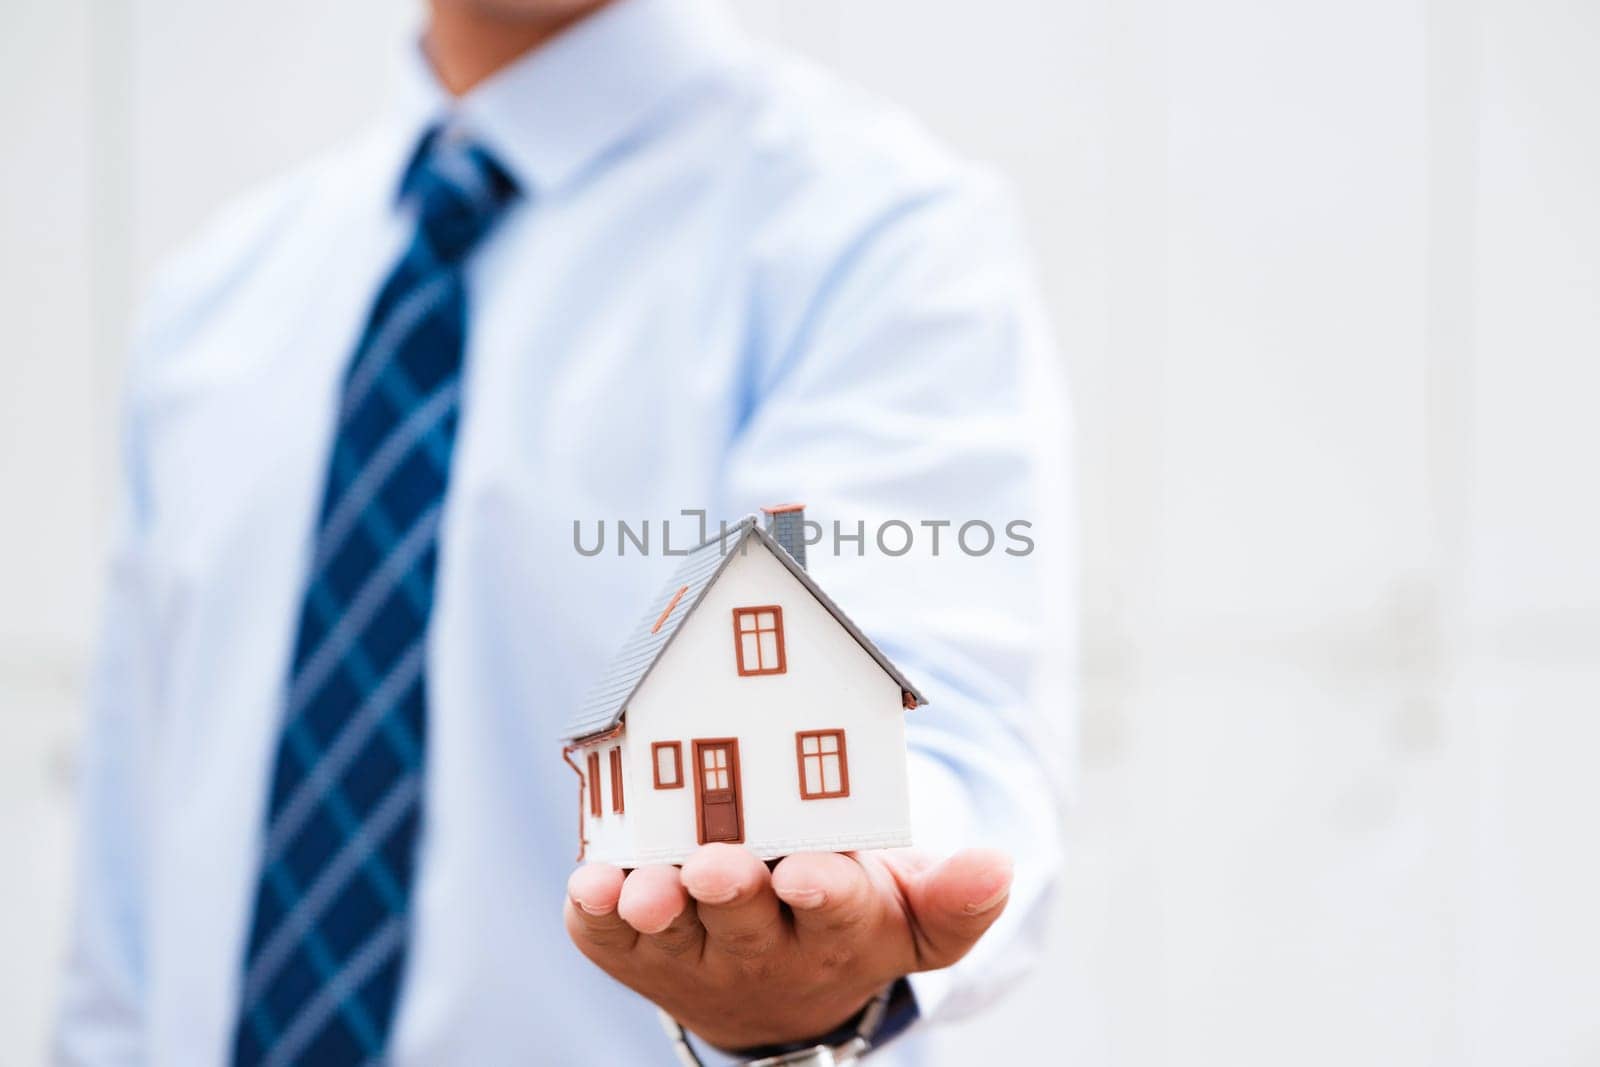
{"type": "Point", "coordinates": [605, 704]}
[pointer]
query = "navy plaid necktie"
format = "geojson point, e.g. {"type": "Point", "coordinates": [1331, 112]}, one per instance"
{"type": "Point", "coordinates": [328, 938]}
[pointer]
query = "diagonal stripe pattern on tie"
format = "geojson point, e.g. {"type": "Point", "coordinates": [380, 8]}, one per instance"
{"type": "Point", "coordinates": [328, 933]}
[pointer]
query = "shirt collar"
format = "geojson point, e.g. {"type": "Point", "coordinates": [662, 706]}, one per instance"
{"type": "Point", "coordinates": [557, 110]}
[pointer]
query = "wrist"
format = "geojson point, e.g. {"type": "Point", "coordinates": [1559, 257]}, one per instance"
{"type": "Point", "coordinates": [751, 1015]}
{"type": "Point", "coordinates": [829, 1036]}
{"type": "Point", "coordinates": [882, 1018]}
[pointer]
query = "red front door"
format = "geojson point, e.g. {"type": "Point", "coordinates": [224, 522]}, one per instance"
{"type": "Point", "coordinates": [716, 790]}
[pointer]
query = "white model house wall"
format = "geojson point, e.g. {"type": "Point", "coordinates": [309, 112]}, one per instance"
{"type": "Point", "coordinates": [830, 682]}
{"type": "Point", "coordinates": [607, 836]}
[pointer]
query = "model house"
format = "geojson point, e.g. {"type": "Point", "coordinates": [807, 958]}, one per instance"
{"type": "Point", "coordinates": [746, 707]}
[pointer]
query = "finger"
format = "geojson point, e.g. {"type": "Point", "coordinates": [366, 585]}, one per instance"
{"type": "Point", "coordinates": [829, 892]}
{"type": "Point", "coordinates": [734, 900]}
{"type": "Point", "coordinates": [654, 903]}
{"type": "Point", "coordinates": [651, 898]}
{"type": "Point", "coordinates": [954, 902]}
{"type": "Point", "coordinates": [591, 909]}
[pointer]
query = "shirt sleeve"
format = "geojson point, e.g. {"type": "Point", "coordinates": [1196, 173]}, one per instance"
{"type": "Point", "coordinates": [918, 403]}
{"type": "Point", "coordinates": [100, 1015]}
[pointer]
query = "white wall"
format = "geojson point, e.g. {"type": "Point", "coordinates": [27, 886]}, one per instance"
{"type": "Point", "coordinates": [1327, 278]}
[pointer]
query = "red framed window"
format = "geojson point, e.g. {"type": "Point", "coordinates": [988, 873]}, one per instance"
{"type": "Point", "coordinates": [666, 759]}
{"type": "Point", "coordinates": [616, 780]}
{"type": "Point", "coordinates": [758, 640]}
{"type": "Point", "coordinates": [594, 784]}
{"type": "Point", "coordinates": [824, 767]}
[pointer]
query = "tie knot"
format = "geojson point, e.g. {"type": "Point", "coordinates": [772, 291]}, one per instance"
{"type": "Point", "coordinates": [458, 191]}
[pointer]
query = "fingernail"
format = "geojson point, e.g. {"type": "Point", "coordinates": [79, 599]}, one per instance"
{"type": "Point", "coordinates": [714, 896]}
{"type": "Point", "coordinates": [805, 898]}
{"type": "Point", "coordinates": [989, 903]}
{"type": "Point", "coordinates": [588, 909]}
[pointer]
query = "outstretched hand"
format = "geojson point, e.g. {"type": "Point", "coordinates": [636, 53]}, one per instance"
{"type": "Point", "coordinates": [745, 957]}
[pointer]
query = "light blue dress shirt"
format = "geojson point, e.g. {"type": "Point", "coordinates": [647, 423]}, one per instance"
{"type": "Point", "coordinates": [730, 282]}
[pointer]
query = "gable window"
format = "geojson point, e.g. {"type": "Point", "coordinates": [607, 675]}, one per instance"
{"type": "Point", "coordinates": [667, 759]}
{"type": "Point", "coordinates": [824, 768]}
{"type": "Point", "coordinates": [758, 640]}
{"type": "Point", "coordinates": [616, 780]}
{"type": "Point", "coordinates": [594, 784]}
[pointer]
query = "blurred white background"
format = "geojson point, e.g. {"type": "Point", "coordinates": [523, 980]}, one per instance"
{"type": "Point", "coordinates": [1327, 276]}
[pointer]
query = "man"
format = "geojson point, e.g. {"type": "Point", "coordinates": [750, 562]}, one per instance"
{"type": "Point", "coordinates": [604, 261]}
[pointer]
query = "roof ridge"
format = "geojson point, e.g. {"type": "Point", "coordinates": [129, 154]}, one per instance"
{"type": "Point", "coordinates": [751, 520]}
{"type": "Point", "coordinates": [607, 701]}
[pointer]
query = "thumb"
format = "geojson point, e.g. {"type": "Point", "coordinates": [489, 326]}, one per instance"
{"type": "Point", "coordinates": [952, 903]}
